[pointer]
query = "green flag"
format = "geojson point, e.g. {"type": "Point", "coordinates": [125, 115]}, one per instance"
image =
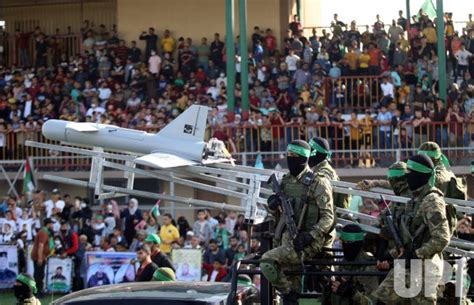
{"type": "Point", "coordinates": [428, 8]}
{"type": "Point", "coordinates": [28, 183]}
{"type": "Point", "coordinates": [155, 211]}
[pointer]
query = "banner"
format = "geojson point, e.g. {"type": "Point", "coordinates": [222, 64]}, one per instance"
{"type": "Point", "coordinates": [8, 266]}
{"type": "Point", "coordinates": [59, 274]}
{"type": "Point", "coordinates": [105, 268]}
{"type": "Point", "coordinates": [187, 263]}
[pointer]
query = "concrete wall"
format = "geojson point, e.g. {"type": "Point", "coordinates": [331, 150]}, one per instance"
{"type": "Point", "coordinates": [195, 19]}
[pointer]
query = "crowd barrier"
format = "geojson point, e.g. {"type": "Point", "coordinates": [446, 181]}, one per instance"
{"type": "Point", "coordinates": [364, 144]}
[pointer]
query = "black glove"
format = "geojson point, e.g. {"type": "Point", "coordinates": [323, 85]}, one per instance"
{"type": "Point", "coordinates": [408, 255]}
{"type": "Point", "coordinates": [273, 202]}
{"type": "Point", "coordinates": [346, 289]}
{"type": "Point", "coordinates": [302, 240]}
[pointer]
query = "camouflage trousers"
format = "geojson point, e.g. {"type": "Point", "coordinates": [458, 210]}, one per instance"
{"type": "Point", "coordinates": [286, 259]}
{"type": "Point", "coordinates": [427, 282]}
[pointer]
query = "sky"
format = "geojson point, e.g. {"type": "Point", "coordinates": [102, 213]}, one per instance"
{"type": "Point", "coordinates": [364, 11]}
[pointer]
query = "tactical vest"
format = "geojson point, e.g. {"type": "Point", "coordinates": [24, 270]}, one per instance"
{"type": "Point", "coordinates": [297, 192]}
{"type": "Point", "coordinates": [413, 231]}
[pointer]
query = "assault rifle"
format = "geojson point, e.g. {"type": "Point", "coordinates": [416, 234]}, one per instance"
{"type": "Point", "coordinates": [393, 229]}
{"type": "Point", "coordinates": [286, 207]}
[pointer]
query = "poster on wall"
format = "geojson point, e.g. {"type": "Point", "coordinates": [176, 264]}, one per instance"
{"type": "Point", "coordinates": [105, 268]}
{"type": "Point", "coordinates": [187, 263]}
{"type": "Point", "coordinates": [8, 266]}
{"type": "Point", "coordinates": [59, 274]}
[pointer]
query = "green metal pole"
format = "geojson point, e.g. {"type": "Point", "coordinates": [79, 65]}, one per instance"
{"type": "Point", "coordinates": [441, 49]}
{"type": "Point", "coordinates": [230, 54]}
{"type": "Point", "coordinates": [298, 9]}
{"type": "Point", "coordinates": [408, 14]}
{"type": "Point", "coordinates": [244, 62]}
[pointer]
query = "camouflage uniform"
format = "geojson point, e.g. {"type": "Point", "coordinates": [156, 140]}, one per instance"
{"type": "Point", "coordinates": [397, 184]}
{"type": "Point", "coordinates": [428, 211]}
{"type": "Point", "coordinates": [364, 285]}
{"type": "Point", "coordinates": [324, 167]}
{"type": "Point", "coordinates": [318, 221]}
{"type": "Point", "coordinates": [446, 181]}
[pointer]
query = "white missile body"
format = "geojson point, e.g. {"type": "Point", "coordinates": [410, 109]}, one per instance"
{"type": "Point", "coordinates": [180, 143]}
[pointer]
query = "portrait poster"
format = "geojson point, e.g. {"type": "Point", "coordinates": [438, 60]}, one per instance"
{"type": "Point", "coordinates": [105, 268]}
{"type": "Point", "coordinates": [187, 263]}
{"type": "Point", "coordinates": [59, 274]}
{"type": "Point", "coordinates": [8, 266]}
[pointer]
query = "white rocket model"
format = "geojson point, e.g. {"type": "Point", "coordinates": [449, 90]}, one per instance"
{"type": "Point", "coordinates": [180, 143]}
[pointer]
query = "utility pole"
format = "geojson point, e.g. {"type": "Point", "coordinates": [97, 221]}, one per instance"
{"type": "Point", "coordinates": [441, 50]}
{"type": "Point", "coordinates": [230, 54]}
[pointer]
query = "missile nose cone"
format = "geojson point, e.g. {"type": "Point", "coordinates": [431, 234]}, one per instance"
{"type": "Point", "coordinates": [54, 130]}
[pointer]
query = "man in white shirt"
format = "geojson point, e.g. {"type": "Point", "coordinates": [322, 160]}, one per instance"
{"type": "Point", "coordinates": [96, 109]}
{"type": "Point", "coordinates": [154, 64]}
{"type": "Point", "coordinates": [26, 223]}
{"type": "Point", "coordinates": [55, 204]}
{"type": "Point", "coordinates": [388, 91]}
{"type": "Point", "coordinates": [13, 208]}
{"type": "Point", "coordinates": [221, 80]}
{"type": "Point", "coordinates": [213, 90]}
{"type": "Point", "coordinates": [292, 62]}
{"type": "Point", "coordinates": [462, 56]}
{"type": "Point", "coordinates": [104, 92]}
{"type": "Point", "coordinates": [230, 222]}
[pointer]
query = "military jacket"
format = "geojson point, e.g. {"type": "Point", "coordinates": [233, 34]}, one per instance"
{"type": "Point", "coordinates": [324, 167]}
{"type": "Point", "coordinates": [319, 217]}
{"type": "Point", "coordinates": [451, 186]}
{"type": "Point", "coordinates": [424, 225]}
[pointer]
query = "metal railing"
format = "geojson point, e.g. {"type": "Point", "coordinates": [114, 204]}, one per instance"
{"type": "Point", "coordinates": [367, 143]}
{"type": "Point", "coordinates": [62, 44]}
{"type": "Point", "coordinates": [354, 92]}
{"type": "Point", "coordinates": [364, 143]}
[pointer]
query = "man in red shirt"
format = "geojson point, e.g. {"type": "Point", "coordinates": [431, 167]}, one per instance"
{"type": "Point", "coordinates": [215, 271]}
{"type": "Point", "coordinates": [374, 63]}
{"type": "Point", "coordinates": [270, 42]}
{"type": "Point", "coordinates": [121, 51]}
{"type": "Point", "coordinates": [69, 240]}
{"type": "Point", "coordinates": [22, 43]}
{"type": "Point", "coordinates": [42, 247]}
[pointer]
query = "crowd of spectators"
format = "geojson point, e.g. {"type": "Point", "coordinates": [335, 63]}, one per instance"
{"type": "Point", "coordinates": [300, 81]}
{"type": "Point", "coordinates": [222, 238]}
